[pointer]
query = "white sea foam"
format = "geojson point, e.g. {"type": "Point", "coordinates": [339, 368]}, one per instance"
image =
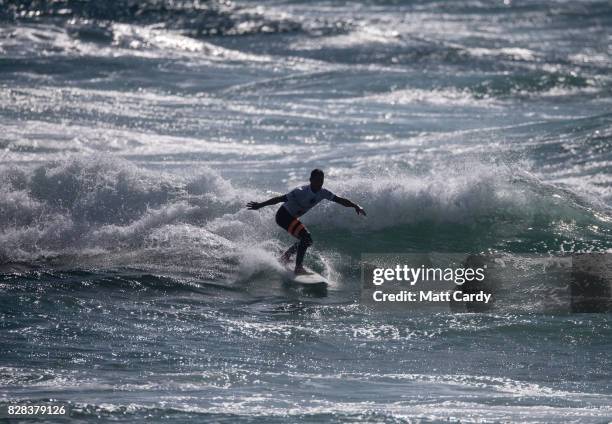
{"type": "Point", "coordinates": [108, 203]}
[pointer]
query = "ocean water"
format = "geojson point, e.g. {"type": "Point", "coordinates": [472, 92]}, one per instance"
{"type": "Point", "coordinates": [135, 286]}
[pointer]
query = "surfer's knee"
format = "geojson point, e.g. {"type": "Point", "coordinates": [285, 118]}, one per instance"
{"type": "Point", "coordinates": [305, 238]}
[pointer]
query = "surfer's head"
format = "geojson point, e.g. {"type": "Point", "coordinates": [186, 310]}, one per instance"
{"type": "Point", "coordinates": [316, 180]}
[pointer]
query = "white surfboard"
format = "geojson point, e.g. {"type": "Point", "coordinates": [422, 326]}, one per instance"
{"type": "Point", "coordinates": [310, 280]}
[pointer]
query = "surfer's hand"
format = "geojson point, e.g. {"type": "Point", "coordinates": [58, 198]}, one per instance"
{"type": "Point", "coordinates": [253, 205]}
{"type": "Point", "coordinates": [360, 210]}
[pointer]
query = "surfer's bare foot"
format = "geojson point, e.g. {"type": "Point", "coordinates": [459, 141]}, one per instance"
{"type": "Point", "coordinates": [302, 271]}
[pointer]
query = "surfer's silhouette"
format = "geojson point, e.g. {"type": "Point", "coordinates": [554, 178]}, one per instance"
{"type": "Point", "coordinates": [296, 203]}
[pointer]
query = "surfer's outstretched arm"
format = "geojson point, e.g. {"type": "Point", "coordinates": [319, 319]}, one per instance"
{"type": "Point", "coordinates": [272, 201]}
{"type": "Point", "coordinates": [346, 202]}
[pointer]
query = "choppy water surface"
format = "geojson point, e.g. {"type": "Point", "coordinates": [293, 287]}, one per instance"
{"type": "Point", "coordinates": [135, 285]}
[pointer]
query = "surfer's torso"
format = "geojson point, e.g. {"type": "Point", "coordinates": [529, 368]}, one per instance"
{"type": "Point", "coordinates": [301, 199]}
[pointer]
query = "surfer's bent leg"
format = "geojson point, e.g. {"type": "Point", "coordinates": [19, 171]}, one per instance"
{"type": "Point", "coordinates": [286, 257]}
{"type": "Point", "coordinates": [305, 242]}
{"type": "Point", "coordinates": [294, 227]}
{"type": "Point", "coordinates": [284, 219]}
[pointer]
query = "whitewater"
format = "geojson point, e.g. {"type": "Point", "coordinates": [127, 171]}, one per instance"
{"type": "Point", "coordinates": [136, 287]}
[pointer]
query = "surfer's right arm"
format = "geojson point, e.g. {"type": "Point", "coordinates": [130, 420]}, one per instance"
{"type": "Point", "coordinates": [272, 201]}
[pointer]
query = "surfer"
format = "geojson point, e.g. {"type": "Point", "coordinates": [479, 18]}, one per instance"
{"type": "Point", "coordinates": [296, 203]}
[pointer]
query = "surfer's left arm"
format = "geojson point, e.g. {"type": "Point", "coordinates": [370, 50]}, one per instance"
{"type": "Point", "coordinates": [347, 203]}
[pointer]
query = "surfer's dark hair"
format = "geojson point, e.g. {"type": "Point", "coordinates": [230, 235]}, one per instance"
{"type": "Point", "coordinates": [316, 173]}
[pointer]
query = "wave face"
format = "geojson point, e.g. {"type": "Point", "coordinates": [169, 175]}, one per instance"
{"type": "Point", "coordinates": [135, 284]}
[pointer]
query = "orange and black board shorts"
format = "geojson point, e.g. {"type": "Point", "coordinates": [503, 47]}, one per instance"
{"type": "Point", "coordinates": [289, 222]}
